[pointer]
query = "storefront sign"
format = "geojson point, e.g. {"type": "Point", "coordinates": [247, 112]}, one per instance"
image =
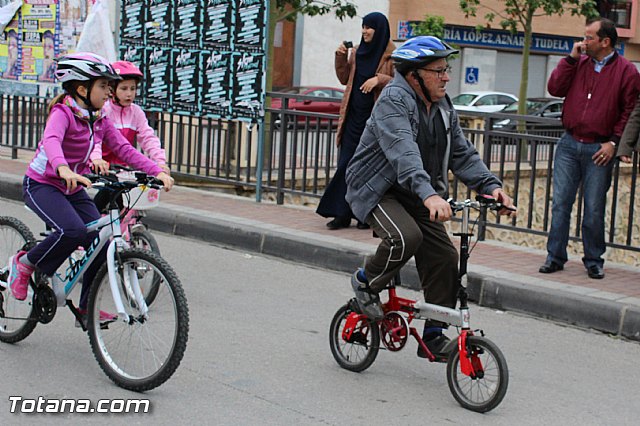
{"type": "Point", "coordinates": [499, 39]}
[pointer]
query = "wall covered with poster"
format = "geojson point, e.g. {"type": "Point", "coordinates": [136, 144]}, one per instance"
{"type": "Point", "coordinates": [199, 57]}
{"type": "Point", "coordinates": [40, 31]}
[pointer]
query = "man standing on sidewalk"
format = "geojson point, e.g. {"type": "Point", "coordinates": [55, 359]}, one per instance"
{"type": "Point", "coordinates": [600, 89]}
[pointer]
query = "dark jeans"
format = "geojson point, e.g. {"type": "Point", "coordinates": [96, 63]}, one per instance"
{"type": "Point", "coordinates": [67, 216]}
{"type": "Point", "coordinates": [573, 166]}
{"type": "Point", "coordinates": [406, 232]}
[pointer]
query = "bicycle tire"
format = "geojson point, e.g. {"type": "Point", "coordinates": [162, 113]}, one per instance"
{"type": "Point", "coordinates": [484, 393]}
{"type": "Point", "coordinates": [146, 241]}
{"type": "Point", "coordinates": [157, 359]}
{"type": "Point", "coordinates": [354, 356]}
{"type": "Point", "coordinates": [14, 235]}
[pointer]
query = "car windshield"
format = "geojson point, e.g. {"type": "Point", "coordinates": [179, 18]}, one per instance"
{"type": "Point", "coordinates": [532, 106]}
{"type": "Point", "coordinates": [293, 90]}
{"type": "Point", "coordinates": [463, 99]}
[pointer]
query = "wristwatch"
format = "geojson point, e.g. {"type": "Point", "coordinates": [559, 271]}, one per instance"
{"type": "Point", "coordinates": [612, 143]}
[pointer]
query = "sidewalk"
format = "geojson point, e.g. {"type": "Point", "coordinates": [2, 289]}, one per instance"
{"type": "Point", "coordinates": [501, 276]}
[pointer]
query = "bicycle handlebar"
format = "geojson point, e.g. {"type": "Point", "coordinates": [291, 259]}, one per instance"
{"type": "Point", "coordinates": [141, 178]}
{"type": "Point", "coordinates": [482, 201]}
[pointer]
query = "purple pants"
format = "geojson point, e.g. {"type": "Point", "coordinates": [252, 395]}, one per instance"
{"type": "Point", "coordinates": [67, 216]}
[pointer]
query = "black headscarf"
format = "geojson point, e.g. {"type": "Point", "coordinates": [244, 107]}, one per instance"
{"type": "Point", "coordinates": [368, 54]}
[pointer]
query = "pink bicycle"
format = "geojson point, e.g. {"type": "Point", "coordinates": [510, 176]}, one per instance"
{"type": "Point", "coordinates": [133, 209]}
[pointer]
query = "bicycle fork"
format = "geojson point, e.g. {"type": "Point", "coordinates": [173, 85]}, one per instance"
{"type": "Point", "coordinates": [130, 283]}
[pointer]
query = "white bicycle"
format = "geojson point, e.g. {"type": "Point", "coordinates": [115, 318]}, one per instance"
{"type": "Point", "coordinates": [140, 340]}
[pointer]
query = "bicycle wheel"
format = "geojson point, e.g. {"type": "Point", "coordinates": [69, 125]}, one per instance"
{"type": "Point", "coordinates": [486, 391]}
{"type": "Point", "coordinates": [17, 317]}
{"type": "Point", "coordinates": [146, 241]}
{"type": "Point", "coordinates": [141, 353]}
{"type": "Point", "coordinates": [361, 350]}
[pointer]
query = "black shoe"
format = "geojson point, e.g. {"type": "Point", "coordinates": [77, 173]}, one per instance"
{"type": "Point", "coordinates": [438, 346]}
{"type": "Point", "coordinates": [362, 225]}
{"type": "Point", "coordinates": [550, 267]}
{"type": "Point", "coordinates": [338, 223]}
{"type": "Point", "coordinates": [596, 272]}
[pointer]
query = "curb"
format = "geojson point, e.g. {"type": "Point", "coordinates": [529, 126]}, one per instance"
{"type": "Point", "coordinates": [493, 292]}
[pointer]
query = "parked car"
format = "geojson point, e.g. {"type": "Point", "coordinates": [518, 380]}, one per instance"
{"type": "Point", "coordinates": [330, 106]}
{"type": "Point", "coordinates": [538, 107]}
{"type": "Point", "coordinates": [482, 101]}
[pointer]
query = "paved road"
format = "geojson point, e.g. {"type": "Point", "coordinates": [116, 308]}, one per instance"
{"type": "Point", "coordinates": [258, 354]}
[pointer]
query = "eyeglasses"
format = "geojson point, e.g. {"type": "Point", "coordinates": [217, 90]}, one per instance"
{"type": "Point", "coordinates": [440, 71]}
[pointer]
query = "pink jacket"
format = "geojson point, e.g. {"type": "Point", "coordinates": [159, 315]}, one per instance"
{"type": "Point", "coordinates": [67, 140]}
{"type": "Point", "coordinates": [132, 123]}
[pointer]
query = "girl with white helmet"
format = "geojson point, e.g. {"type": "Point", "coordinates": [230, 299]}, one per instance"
{"type": "Point", "coordinates": [52, 185]}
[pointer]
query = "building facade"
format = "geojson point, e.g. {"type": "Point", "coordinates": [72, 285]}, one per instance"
{"type": "Point", "coordinates": [490, 59]}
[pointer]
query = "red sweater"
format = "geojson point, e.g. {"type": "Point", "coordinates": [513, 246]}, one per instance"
{"type": "Point", "coordinates": [597, 105]}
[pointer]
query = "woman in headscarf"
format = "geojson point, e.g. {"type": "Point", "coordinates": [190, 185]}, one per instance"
{"type": "Point", "coordinates": [365, 70]}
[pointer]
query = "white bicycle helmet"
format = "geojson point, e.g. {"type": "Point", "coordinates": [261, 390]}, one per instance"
{"type": "Point", "coordinates": [83, 66]}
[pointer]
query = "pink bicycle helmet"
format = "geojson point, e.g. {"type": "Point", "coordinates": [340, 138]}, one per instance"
{"type": "Point", "coordinates": [126, 69]}
{"type": "Point", "coordinates": [84, 66]}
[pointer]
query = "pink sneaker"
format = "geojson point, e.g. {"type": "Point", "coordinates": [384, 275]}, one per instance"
{"type": "Point", "coordinates": [19, 276]}
{"type": "Point", "coordinates": [105, 317]}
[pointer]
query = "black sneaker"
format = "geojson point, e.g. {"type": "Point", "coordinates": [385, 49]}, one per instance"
{"type": "Point", "coordinates": [438, 346]}
{"type": "Point", "coordinates": [368, 302]}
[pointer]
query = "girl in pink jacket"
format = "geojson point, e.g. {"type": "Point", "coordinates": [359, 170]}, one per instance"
{"type": "Point", "coordinates": [52, 185]}
{"type": "Point", "coordinates": [129, 119]}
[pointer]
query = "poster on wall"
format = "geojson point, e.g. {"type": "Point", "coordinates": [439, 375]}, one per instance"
{"type": "Point", "coordinates": [10, 51]}
{"type": "Point", "coordinates": [73, 13]}
{"type": "Point", "coordinates": [157, 75]}
{"type": "Point", "coordinates": [39, 43]}
{"type": "Point", "coordinates": [216, 83]}
{"type": "Point", "coordinates": [249, 26]}
{"type": "Point", "coordinates": [159, 23]}
{"type": "Point", "coordinates": [40, 31]}
{"type": "Point", "coordinates": [186, 24]}
{"type": "Point", "coordinates": [247, 85]}
{"type": "Point", "coordinates": [217, 18]}
{"type": "Point", "coordinates": [217, 55]}
{"type": "Point", "coordinates": [186, 80]}
{"type": "Point", "coordinates": [133, 16]}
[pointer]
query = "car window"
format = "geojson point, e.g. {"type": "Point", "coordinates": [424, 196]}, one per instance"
{"type": "Point", "coordinates": [292, 90]}
{"type": "Point", "coordinates": [463, 99]}
{"type": "Point", "coordinates": [321, 93]}
{"type": "Point", "coordinates": [337, 94]}
{"type": "Point", "coordinates": [511, 108]}
{"type": "Point", "coordinates": [505, 100]}
{"type": "Point", "coordinates": [487, 100]}
{"type": "Point", "coordinates": [555, 107]}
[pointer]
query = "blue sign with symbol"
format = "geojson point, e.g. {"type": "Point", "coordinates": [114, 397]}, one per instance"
{"type": "Point", "coordinates": [471, 75]}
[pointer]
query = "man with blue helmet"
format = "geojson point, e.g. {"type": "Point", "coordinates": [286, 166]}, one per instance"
{"type": "Point", "coordinates": [397, 182]}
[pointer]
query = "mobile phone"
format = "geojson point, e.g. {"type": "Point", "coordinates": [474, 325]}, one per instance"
{"type": "Point", "coordinates": [347, 44]}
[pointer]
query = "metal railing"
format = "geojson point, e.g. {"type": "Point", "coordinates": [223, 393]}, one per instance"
{"type": "Point", "coordinates": [299, 156]}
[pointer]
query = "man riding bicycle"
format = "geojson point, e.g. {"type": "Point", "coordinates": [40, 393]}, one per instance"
{"type": "Point", "coordinates": [397, 182]}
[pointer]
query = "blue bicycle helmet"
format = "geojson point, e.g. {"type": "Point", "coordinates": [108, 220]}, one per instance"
{"type": "Point", "coordinates": [419, 51]}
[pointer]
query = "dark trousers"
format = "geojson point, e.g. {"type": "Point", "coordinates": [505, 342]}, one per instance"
{"type": "Point", "coordinates": [406, 232]}
{"type": "Point", "coordinates": [67, 216]}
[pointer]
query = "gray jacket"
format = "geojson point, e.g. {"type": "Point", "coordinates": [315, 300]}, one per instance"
{"type": "Point", "coordinates": [388, 152]}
